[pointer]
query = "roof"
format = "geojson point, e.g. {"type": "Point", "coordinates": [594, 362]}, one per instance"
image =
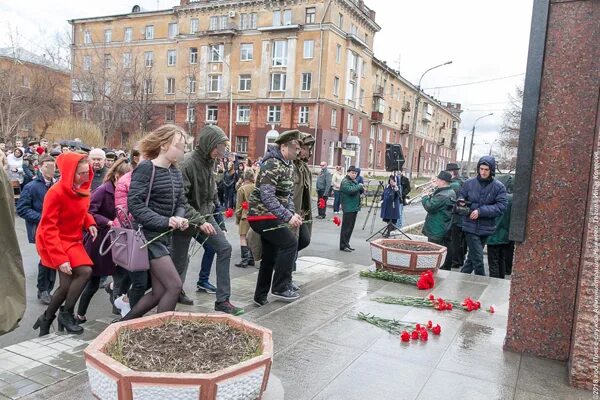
{"type": "Point", "coordinates": [21, 54]}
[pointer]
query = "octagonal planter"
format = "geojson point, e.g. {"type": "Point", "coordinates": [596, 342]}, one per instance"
{"type": "Point", "coordinates": [405, 261]}
{"type": "Point", "coordinates": [111, 380]}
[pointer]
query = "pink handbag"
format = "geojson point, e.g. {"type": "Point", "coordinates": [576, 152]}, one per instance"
{"type": "Point", "coordinates": [126, 242]}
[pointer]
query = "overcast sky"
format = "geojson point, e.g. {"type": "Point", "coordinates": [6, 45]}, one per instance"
{"type": "Point", "coordinates": [485, 39]}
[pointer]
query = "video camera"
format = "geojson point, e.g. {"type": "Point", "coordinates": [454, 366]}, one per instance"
{"type": "Point", "coordinates": [461, 207]}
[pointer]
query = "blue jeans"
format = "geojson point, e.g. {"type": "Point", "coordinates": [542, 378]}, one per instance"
{"type": "Point", "coordinates": [207, 260]}
{"type": "Point", "coordinates": [336, 201]}
{"type": "Point", "coordinates": [474, 261]}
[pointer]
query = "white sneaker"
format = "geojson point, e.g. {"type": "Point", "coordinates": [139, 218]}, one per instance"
{"type": "Point", "coordinates": [122, 305]}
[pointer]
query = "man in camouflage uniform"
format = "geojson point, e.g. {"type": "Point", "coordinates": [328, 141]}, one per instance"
{"type": "Point", "coordinates": [271, 206]}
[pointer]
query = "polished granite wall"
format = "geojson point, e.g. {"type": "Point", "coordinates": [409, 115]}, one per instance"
{"type": "Point", "coordinates": [551, 309]}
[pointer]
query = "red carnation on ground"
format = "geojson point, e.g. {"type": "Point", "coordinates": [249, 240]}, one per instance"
{"type": "Point", "coordinates": [436, 330]}
{"type": "Point", "coordinates": [424, 335]}
{"type": "Point", "coordinates": [405, 336]}
{"type": "Point", "coordinates": [336, 220]}
{"type": "Point", "coordinates": [429, 324]}
{"type": "Point", "coordinates": [414, 335]}
{"type": "Point", "coordinates": [322, 203]}
{"type": "Point", "coordinates": [228, 213]}
{"type": "Point", "coordinates": [245, 205]}
{"type": "Point", "coordinates": [426, 281]}
{"type": "Point", "coordinates": [431, 297]}
{"type": "Point", "coordinates": [491, 310]}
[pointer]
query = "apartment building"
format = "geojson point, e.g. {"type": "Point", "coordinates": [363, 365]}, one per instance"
{"type": "Point", "coordinates": [256, 68]}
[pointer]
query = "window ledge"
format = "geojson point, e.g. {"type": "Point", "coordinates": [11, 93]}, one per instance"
{"type": "Point", "coordinates": [242, 122]}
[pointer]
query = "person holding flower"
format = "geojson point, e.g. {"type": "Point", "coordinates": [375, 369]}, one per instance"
{"type": "Point", "coordinates": [241, 215]}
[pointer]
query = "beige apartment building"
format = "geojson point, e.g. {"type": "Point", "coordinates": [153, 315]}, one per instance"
{"type": "Point", "coordinates": [257, 68]}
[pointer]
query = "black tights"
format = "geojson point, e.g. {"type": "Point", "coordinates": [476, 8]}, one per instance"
{"type": "Point", "coordinates": [69, 290]}
{"type": "Point", "coordinates": [166, 286]}
{"type": "Point", "coordinates": [88, 292]}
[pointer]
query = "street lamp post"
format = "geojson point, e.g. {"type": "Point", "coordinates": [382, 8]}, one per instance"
{"type": "Point", "coordinates": [472, 136]}
{"type": "Point", "coordinates": [411, 142]}
{"type": "Point", "coordinates": [230, 92]}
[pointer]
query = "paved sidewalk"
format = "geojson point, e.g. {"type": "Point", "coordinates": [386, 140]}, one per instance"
{"type": "Point", "coordinates": [321, 352]}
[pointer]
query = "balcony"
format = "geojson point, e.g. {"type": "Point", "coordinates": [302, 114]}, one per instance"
{"type": "Point", "coordinates": [230, 29]}
{"type": "Point", "coordinates": [278, 28]}
{"type": "Point", "coordinates": [406, 107]}
{"type": "Point", "coordinates": [378, 91]}
{"type": "Point", "coordinates": [356, 40]}
{"type": "Point", "coordinates": [376, 117]}
{"type": "Point", "coordinates": [404, 129]}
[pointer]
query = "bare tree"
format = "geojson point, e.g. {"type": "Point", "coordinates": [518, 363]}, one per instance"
{"type": "Point", "coordinates": [509, 131]}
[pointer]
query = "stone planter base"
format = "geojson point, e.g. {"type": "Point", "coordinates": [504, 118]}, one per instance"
{"type": "Point", "coordinates": [111, 380]}
{"type": "Point", "coordinates": [406, 261]}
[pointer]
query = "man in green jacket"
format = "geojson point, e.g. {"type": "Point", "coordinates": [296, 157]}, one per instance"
{"type": "Point", "coordinates": [500, 250]}
{"type": "Point", "coordinates": [439, 206]}
{"type": "Point", "coordinates": [350, 192]}
{"type": "Point", "coordinates": [200, 188]}
{"type": "Point", "coordinates": [457, 245]}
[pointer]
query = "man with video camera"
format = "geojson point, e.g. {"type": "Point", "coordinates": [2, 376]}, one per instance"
{"type": "Point", "coordinates": [480, 201]}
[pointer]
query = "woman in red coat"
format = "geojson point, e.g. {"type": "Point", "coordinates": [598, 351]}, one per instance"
{"type": "Point", "coordinates": [59, 239]}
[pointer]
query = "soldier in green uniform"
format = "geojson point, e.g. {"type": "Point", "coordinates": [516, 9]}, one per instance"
{"type": "Point", "coordinates": [439, 210]}
{"type": "Point", "coordinates": [272, 205]}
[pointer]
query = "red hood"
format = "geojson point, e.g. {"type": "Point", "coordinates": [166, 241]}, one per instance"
{"type": "Point", "coordinates": [67, 165]}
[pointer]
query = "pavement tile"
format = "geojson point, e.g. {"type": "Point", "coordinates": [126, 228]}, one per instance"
{"type": "Point", "coordinates": [9, 377]}
{"type": "Point", "coordinates": [444, 385]}
{"type": "Point", "coordinates": [17, 392]}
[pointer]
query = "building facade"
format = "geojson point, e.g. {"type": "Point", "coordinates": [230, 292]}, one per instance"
{"type": "Point", "coordinates": [256, 68]}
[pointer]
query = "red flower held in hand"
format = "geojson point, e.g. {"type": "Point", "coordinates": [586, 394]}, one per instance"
{"type": "Point", "coordinates": [245, 205]}
{"type": "Point", "coordinates": [336, 220]}
{"type": "Point", "coordinates": [405, 336]}
{"type": "Point", "coordinates": [228, 213]}
{"type": "Point", "coordinates": [436, 330]}
{"type": "Point", "coordinates": [322, 203]}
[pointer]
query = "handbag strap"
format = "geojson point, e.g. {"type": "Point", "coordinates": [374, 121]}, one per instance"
{"type": "Point", "coordinates": [151, 183]}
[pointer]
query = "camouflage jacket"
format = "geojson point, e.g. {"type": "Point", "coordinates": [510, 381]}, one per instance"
{"type": "Point", "coordinates": [302, 186]}
{"type": "Point", "coordinates": [272, 196]}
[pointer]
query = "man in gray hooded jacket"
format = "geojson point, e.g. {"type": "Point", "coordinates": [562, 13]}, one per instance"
{"type": "Point", "coordinates": [200, 188]}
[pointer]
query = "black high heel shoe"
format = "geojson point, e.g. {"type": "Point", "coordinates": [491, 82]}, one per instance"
{"type": "Point", "coordinates": [66, 320]}
{"type": "Point", "coordinates": [43, 324]}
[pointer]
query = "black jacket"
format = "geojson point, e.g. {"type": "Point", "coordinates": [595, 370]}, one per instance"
{"type": "Point", "coordinates": [166, 197]}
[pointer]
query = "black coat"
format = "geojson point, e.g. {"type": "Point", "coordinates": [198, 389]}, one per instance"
{"type": "Point", "coordinates": [166, 197]}
{"type": "Point", "coordinates": [29, 206]}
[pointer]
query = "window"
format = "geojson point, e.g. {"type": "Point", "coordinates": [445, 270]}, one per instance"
{"type": "Point", "coordinates": [191, 83]}
{"type": "Point", "coordinates": [127, 86]}
{"type": "Point", "coordinates": [149, 32]}
{"type": "Point", "coordinates": [126, 60]}
{"type": "Point", "coordinates": [194, 25]}
{"type": "Point", "coordinates": [334, 118]}
{"type": "Point", "coordinates": [282, 17]}
{"type": "Point", "coordinates": [148, 87]}
{"type": "Point", "coordinates": [274, 114]}
{"type": "Point", "coordinates": [309, 48]}
{"type": "Point", "coordinates": [306, 81]}
{"type": "Point", "coordinates": [361, 100]}
{"type": "Point", "coordinates": [173, 30]}
{"type": "Point", "coordinates": [243, 114]}
{"type": "Point", "coordinates": [287, 17]}
{"type": "Point", "coordinates": [128, 36]}
{"type": "Point", "coordinates": [363, 71]}
{"type": "Point", "coordinates": [171, 57]}
{"type": "Point", "coordinates": [170, 114]}
{"type": "Point", "coordinates": [310, 15]}
{"type": "Point", "coordinates": [193, 55]}
{"type": "Point", "coordinates": [387, 136]}
{"type": "Point", "coordinates": [360, 126]}
{"type": "Point", "coordinates": [338, 54]}
{"type": "Point", "coordinates": [396, 116]}
{"type": "Point", "coordinates": [245, 83]}
{"type": "Point", "coordinates": [278, 82]}
{"type": "Point", "coordinates": [353, 29]}
{"type": "Point", "coordinates": [212, 113]}
{"type": "Point", "coordinates": [303, 115]}
{"type": "Point", "coordinates": [372, 136]}
{"type": "Point", "coordinates": [341, 21]}
{"type": "Point", "coordinates": [246, 50]}
{"type": "Point", "coordinates": [170, 86]}
{"type": "Point", "coordinates": [241, 144]}
{"type": "Point", "coordinates": [389, 113]}
{"type": "Point", "coordinates": [280, 53]}
{"type": "Point", "coordinates": [190, 114]}
{"type": "Point", "coordinates": [248, 21]}
{"type": "Point", "coordinates": [350, 94]}
{"type": "Point", "coordinates": [216, 52]}
{"type": "Point", "coordinates": [379, 132]}
{"type": "Point", "coordinates": [214, 83]}
{"type": "Point", "coordinates": [350, 124]}
{"type": "Point", "coordinates": [87, 37]}
{"type": "Point", "coordinates": [336, 86]}
{"type": "Point", "coordinates": [148, 58]}
{"type": "Point", "coordinates": [87, 63]}
{"type": "Point", "coordinates": [107, 61]}
{"type": "Point", "coordinates": [107, 35]}
{"type": "Point", "coordinates": [218, 22]}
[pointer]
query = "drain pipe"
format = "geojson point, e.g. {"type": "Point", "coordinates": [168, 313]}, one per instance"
{"type": "Point", "coordinates": [319, 85]}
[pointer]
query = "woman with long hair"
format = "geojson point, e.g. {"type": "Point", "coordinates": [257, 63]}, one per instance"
{"type": "Point", "coordinates": [157, 203]}
{"type": "Point", "coordinates": [15, 166]}
{"type": "Point", "coordinates": [102, 208]}
{"type": "Point", "coordinates": [59, 239]}
{"type": "Point", "coordinates": [229, 180]}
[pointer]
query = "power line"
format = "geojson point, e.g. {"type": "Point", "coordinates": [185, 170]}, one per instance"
{"type": "Point", "coordinates": [475, 83]}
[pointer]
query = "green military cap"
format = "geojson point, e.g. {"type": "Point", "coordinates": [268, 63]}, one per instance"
{"type": "Point", "coordinates": [306, 139]}
{"type": "Point", "coordinates": [288, 136]}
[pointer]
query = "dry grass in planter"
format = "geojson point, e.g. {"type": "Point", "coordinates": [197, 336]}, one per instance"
{"type": "Point", "coordinates": [411, 246]}
{"type": "Point", "coordinates": [183, 347]}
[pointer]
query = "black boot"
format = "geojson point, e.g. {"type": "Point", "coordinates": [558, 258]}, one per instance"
{"type": "Point", "coordinates": [250, 257]}
{"type": "Point", "coordinates": [44, 324]}
{"type": "Point", "coordinates": [244, 262]}
{"type": "Point", "coordinates": [66, 320]}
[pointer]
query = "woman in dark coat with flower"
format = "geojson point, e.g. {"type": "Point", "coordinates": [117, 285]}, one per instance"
{"type": "Point", "coordinates": [390, 208]}
{"type": "Point", "coordinates": [102, 208]}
